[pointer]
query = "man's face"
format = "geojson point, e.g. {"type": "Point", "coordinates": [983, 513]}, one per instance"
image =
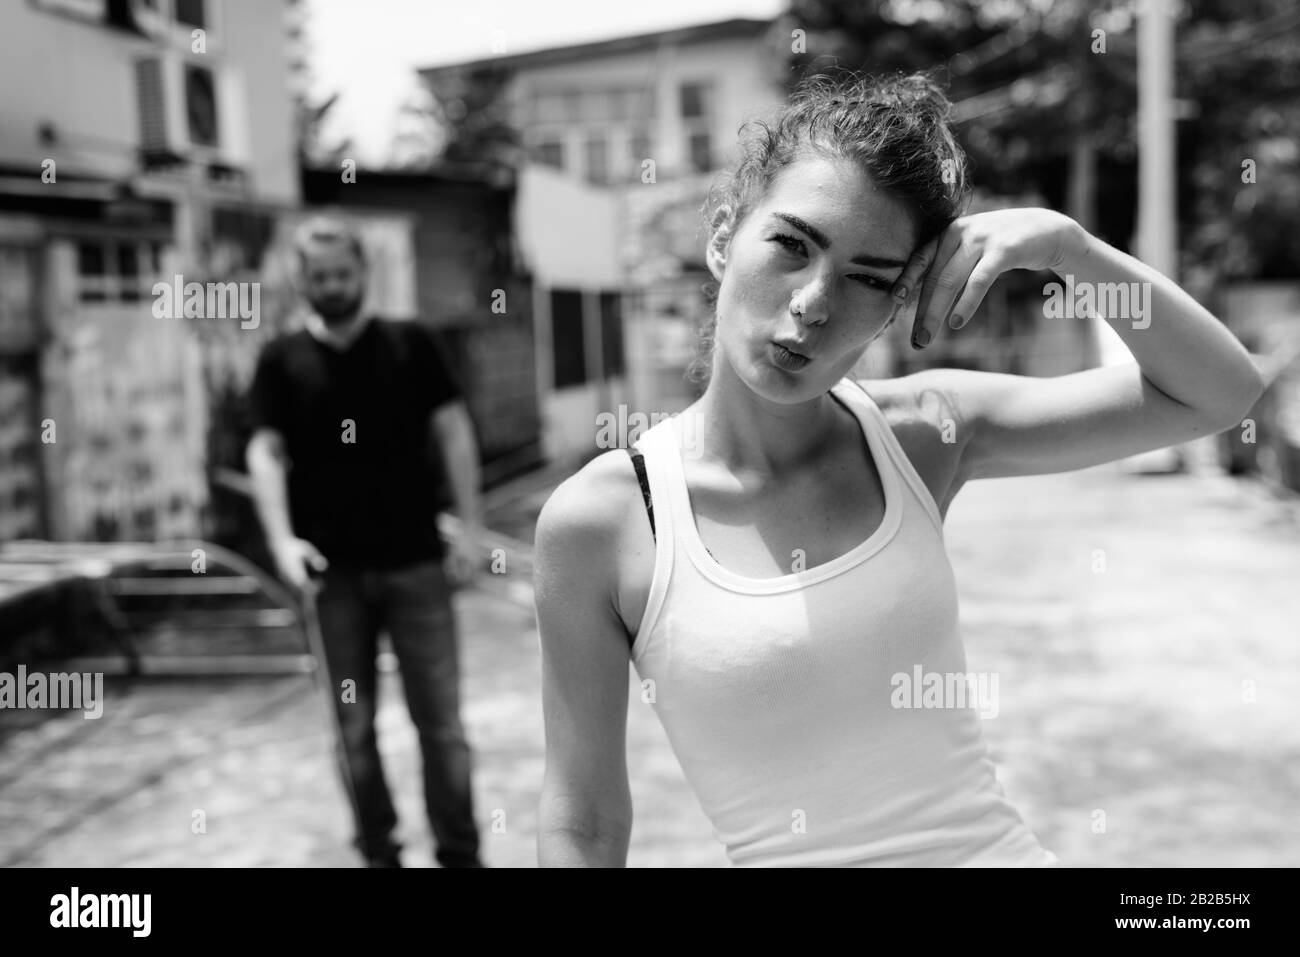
{"type": "Point", "coordinates": [333, 280]}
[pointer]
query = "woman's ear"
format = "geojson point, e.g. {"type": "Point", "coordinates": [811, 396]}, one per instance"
{"type": "Point", "coordinates": [720, 229]}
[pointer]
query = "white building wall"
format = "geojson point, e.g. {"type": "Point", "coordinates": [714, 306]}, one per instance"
{"type": "Point", "coordinates": [79, 76]}
{"type": "Point", "coordinates": [568, 234]}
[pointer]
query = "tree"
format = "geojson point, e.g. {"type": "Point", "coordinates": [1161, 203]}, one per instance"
{"type": "Point", "coordinates": [309, 113]}
{"type": "Point", "coordinates": [472, 107]}
{"type": "Point", "coordinates": [1046, 98]}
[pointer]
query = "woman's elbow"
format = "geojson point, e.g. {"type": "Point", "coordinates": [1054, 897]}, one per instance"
{"type": "Point", "coordinates": [574, 833]}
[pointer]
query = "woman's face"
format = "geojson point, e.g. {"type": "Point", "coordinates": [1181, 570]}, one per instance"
{"type": "Point", "coordinates": [827, 238]}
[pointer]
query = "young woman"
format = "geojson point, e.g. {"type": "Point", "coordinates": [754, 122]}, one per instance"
{"type": "Point", "coordinates": [778, 572]}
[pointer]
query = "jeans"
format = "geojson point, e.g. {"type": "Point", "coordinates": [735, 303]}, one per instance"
{"type": "Point", "coordinates": [413, 604]}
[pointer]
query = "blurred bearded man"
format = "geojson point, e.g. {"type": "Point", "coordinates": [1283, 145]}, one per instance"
{"type": "Point", "coordinates": [346, 413]}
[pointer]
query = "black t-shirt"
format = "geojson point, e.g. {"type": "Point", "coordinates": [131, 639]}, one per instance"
{"type": "Point", "coordinates": [365, 479]}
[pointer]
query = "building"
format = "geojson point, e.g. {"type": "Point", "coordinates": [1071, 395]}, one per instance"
{"type": "Point", "coordinates": [621, 140]}
{"type": "Point", "coordinates": [141, 141]}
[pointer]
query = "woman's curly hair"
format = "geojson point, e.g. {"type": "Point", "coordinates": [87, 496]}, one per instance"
{"type": "Point", "coordinates": [896, 127]}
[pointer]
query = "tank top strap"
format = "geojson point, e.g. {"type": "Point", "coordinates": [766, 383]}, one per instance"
{"type": "Point", "coordinates": [658, 455]}
{"type": "Point", "coordinates": [638, 463]}
{"type": "Point", "coordinates": [852, 391]}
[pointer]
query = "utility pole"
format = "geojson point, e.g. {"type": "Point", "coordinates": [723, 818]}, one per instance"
{"type": "Point", "coordinates": [1157, 242]}
{"type": "Point", "coordinates": [1082, 192]}
{"type": "Point", "coordinates": [1156, 239]}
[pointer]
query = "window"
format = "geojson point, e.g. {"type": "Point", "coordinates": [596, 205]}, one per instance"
{"type": "Point", "coordinates": [618, 105]}
{"type": "Point", "coordinates": [571, 105]}
{"type": "Point", "coordinates": [549, 152]}
{"type": "Point", "coordinates": [598, 106]}
{"type": "Point", "coordinates": [597, 158]}
{"type": "Point", "coordinates": [643, 103]}
{"type": "Point", "coordinates": [190, 13]}
{"type": "Point", "coordinates": [94, 10]}
{"type": "Point", "coordinates": [90, 269]}
{"type": "Point", "coordinates": [116, 270]}
{"type": "Point", "coordinates": [567, 338]}
{"type": "Point", "coordinates": [150, 18]}
{"type": "Point", "coordinates": [548, 107]}
{"type": "Point", "coordinates": [639, 147]}
{"type": "Point", "coordinates": [701, 153]}
{"type": "Point", "coordinates": [605, 118]}
{"type": "Point", "coordinates": [128, 271]}
{"type": "Point", "coordinates": [697, 110]}
{"type": "Point", "coordinates": [695, 101]}
{"type": "Point", "coordinates": [611, 333]}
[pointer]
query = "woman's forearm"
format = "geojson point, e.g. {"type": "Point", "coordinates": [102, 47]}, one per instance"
{"type": "Point", "coordinates": [1181, 347]}
{"type": "Point", "coordinates": [561, 847]}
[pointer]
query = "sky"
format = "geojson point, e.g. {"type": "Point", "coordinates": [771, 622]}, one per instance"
{"type": "Point", "coordinates": [368, 50]}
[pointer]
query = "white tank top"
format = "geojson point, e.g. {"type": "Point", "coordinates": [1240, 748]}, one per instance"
{"type": "Point", "coordinates": [797, 706]}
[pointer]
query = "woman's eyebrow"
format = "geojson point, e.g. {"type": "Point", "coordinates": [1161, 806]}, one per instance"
{"type": "Point", "coordinates": [822, 240]}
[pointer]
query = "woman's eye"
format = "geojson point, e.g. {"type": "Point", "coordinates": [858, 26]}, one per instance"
{"type": "Point", "coordinates": [874, 282]}
{"type": "Point", "coordinates": [789, 243]}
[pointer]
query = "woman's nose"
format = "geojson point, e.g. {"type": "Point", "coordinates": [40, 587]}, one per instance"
{"type": "Point", "coordinates": [812, 303]}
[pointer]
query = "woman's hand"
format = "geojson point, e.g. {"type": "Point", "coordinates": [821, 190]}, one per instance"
{"type": "Point", "coordinates": [950, 275]}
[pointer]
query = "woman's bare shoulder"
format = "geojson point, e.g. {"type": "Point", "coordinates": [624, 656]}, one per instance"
{"type": "Point", "coordinates": [586, 514]}
{"type": "Point", "coordinates": [926, 419]}
{"type": "Point", "coordinates": [588, 569]}
{"type": "Point", "coordinates": [921, 407]}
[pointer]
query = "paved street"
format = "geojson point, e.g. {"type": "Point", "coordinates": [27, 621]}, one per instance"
{"type": "Point", "coordinates": [1144, 630]}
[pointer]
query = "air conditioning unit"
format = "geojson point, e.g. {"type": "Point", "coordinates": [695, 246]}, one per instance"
{"type": "Point", "coordinates": [190, 111]}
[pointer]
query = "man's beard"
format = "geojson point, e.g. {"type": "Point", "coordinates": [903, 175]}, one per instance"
{"type": "Point", "coordinates": [336, 308]}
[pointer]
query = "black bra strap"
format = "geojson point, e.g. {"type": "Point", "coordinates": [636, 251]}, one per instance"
{"type": "Point", "coordinates": [638, 462]}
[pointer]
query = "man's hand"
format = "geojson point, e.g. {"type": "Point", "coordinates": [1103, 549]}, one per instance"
{"type": "Point", "coordinates": [295, 559]}
{"type": "Point", "coordinates": [464, 556]}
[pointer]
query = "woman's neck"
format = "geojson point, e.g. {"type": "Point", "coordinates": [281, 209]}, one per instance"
{"type": "Point", "coordinates": [746, 432]}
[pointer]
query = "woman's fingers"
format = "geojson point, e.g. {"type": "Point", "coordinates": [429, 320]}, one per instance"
{"type": "Point", "coordinates": [906, 286]}
{"type": "Point", "coordinates": [979, 282]}
{"type": "Point", "coordinates": [942, 283]}
{"type": "Point", "coordinates": [943, 279]}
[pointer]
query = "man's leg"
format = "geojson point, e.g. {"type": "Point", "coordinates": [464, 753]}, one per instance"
{"type": "Point", "coordinates": [422, 626]}
{"type": "Point", "coordinates": [350, 631]}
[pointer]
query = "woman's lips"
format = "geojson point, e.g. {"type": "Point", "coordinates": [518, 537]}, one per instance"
{"type": "Point", "coordinates": [785, 359]}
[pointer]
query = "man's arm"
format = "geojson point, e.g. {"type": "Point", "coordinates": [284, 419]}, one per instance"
{"type": "Point", "coordinates": [268, 464]}
{"type": "Point", "coordinates": [455, 435]}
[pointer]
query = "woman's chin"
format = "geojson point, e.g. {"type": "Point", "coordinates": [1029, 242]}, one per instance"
{"type": "Point", "coordinates": [782, 385]}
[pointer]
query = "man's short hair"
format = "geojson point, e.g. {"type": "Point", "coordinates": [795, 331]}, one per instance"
{"type": "Point", "coordinates": [328, 228]}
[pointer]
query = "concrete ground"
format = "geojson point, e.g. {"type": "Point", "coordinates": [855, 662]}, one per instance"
{"type": "Point", "coordinates": [1145, 630]}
